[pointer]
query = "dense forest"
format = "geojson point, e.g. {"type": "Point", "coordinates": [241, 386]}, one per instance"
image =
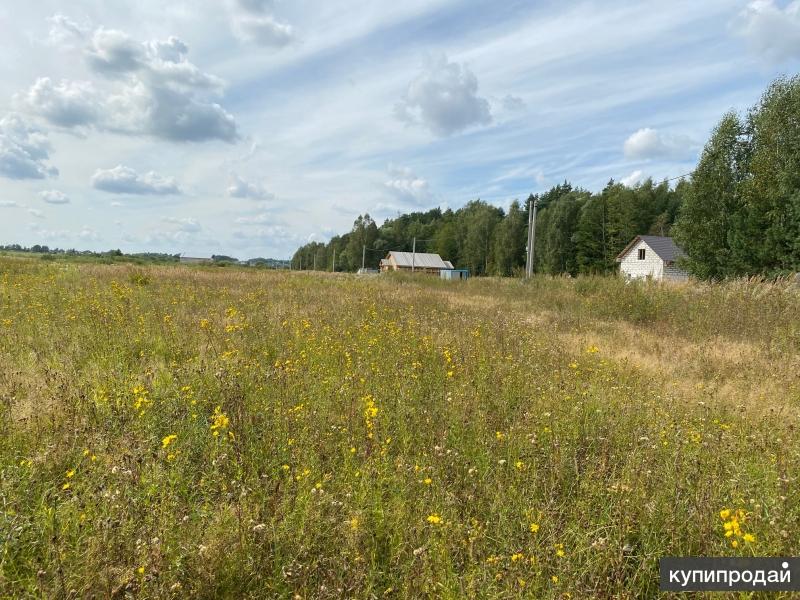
{"type": "Point", "coordinates": [737, 214]}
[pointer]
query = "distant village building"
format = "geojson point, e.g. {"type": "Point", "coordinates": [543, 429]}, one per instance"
{"type": "Point", "coordinates": [421, 262]}
{"type": "Point", "coordinates": [194, 260]}
{"type": "Point", "coordinates": [454, 274]}
{"type": "Point", "coordinates": [651, 256]}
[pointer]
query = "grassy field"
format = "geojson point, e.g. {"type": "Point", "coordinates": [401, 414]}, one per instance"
{"type": "Point", "coordinates": [201, 432]}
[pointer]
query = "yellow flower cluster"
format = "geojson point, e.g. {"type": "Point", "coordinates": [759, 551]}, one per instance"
{"type": "Point", "coordinates": [732, 525]}
{"type": "Point", "coordinates": [219, 421]}
{"type": "Point", "coordinates": [370, 412]}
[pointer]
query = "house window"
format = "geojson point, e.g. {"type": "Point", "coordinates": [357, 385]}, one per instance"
{"type": "Point", "coordinates": [641, 253]}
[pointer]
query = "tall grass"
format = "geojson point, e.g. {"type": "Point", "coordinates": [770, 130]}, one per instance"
{"type": "Point", "coordinates": [196, 432]}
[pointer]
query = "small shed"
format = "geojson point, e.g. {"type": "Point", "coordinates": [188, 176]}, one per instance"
{"type": "Point", "coordinates": [653, 257]}
{"type": "Point", "coordinates": [454, 274]}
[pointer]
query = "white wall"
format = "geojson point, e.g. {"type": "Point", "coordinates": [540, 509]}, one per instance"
{"type": "Point", "coordinates": [652, 266]}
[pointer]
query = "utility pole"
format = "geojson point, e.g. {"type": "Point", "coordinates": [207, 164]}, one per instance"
{"type": "Point", "coordinates": [413, 254]}
{"type": "Point", "coordinates": [363, 256]}
{"type": "Point", "coordinates": [528, 245]}
{"type": "Point", "coordinates": [333, 270]}
{"type": "Point", "coordinates": [533, 232]}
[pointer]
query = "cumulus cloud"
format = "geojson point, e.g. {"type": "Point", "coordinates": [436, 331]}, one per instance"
{"type": "Point", "coordinates": [153, 89]}
{"type": "Point", "coordinates": [54, 197]}
{"type": "Point", "coordinates": [633, 179]}
{"type": "Point", "coordinates": [66, 104]}
{"type": "Point", "coordinates": [24, 150]}
{"type": "Point", "coordinates": [36, 213]}
{"type": "Point", "coordinates": [404, 184]}
{"type": "Point", "coordinates": [124, 180]}
{"type": "Point", "coordinates": [239, 188]}
{"type": "Point", "coordinates": [771, 31]}
{"type": "Point", "coordinates": [649, 143]}
{"type": "Point", "coordinates": [114, 52]}
{"type": "Point", "coordinates": [8, 204]}
{"type": "Point", "coordinates": [444, 98]}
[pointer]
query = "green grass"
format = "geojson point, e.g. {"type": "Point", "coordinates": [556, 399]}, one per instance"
{"type": "Point", "coordinates": [385, 437]}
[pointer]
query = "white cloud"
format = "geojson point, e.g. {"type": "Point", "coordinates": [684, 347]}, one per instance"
{"type": "Point", "coordinates": [24, 150]}
{"type": "Point", "coordinates": [153, 89]}
{"type": "Point", "coordinates": [124, 180]}
{"type": "Point", "coordinates": [239, 188]}
{"type": "Point", "coordinates": [444, 98]}
{"type": "Point", "coordinates": [771, 31]}
{"type": "Point", "coordinates": [63, 30]}
{"type": "Point", "coordinates": [253, 21]}
{"type": "Point", "coordinates": [264, 30]}
{"type": "Point", "coordinates": [66, 104]}
{"type": "Point", "coordinates": [649, 143]}
{"type": "Point", "coordinates": [54, 197]}
{"type": "Point", "coordinates": [36, 213]}
{"type": "Point", "coordinates": [8, 204]}
{"type": "Point", "coordinates": [633, 179]}
{"type": "Point", "coordinates": [405, 185]}
{"type": "Point", "coordinates": [114, 52]}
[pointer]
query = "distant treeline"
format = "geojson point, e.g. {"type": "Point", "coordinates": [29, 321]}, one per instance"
{"type": "Point", "coordinates": [738, 214]}
{"type": "Point", "coordinates": [576, 232]}
{"type": "Point", "coordinates": [110, 256]}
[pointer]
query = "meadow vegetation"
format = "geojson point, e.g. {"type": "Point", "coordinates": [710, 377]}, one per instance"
{"type": "Point", "coordinates": [168, 431]}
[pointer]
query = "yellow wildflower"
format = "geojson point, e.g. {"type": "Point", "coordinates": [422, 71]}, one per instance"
{"type": "Point", "coordinates": [168, 440]}
{"type": "Point", "coordinates": [219, 421]}
{"type": "Point", "coordinates": [434, 519]}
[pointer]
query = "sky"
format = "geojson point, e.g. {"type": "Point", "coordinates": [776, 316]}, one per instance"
{"type": "Point", "coordinates": [251, 127]}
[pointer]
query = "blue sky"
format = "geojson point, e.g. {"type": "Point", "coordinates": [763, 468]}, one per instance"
{"type": "Point", "coordinates": [249, 127]}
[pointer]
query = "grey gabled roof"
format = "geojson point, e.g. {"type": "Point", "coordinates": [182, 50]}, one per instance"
{"type": "Point", "coordinates": [664, 247]}
{"type": "Point", "coordinates": [420, 259]}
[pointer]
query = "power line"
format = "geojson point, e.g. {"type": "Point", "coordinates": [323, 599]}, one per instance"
{"type": "Point", "coordinates": [678, 177]}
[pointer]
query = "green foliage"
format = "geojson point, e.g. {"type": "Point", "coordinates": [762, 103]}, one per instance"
{"type": "Point", "coordinates": [741, 214]}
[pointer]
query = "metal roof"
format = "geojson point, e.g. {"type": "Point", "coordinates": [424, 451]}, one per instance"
{"type": "Point", "coordinates": [664, 247]}
{"type": "Point", "coordinates": [420, 259]}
